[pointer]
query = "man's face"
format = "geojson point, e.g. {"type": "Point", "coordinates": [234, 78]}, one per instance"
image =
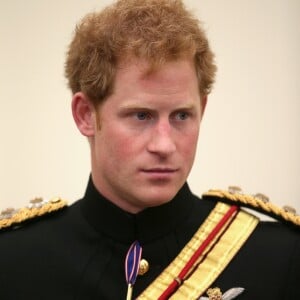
{"type": "Point", "coordinates": [145, 147]}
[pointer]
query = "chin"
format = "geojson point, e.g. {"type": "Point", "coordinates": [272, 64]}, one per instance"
{"type": "Point", "coordinates": [159, 198]}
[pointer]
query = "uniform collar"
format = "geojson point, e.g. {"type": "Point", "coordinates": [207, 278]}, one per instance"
{"type": "Point", "coordinates": [150, 224]}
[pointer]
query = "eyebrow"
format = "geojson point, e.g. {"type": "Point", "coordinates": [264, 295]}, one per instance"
{"type": "Point", "coordinates": [133, 106]}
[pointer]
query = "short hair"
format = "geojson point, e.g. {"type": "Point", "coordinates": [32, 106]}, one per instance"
{"type": "Point", "coordinates": [157, 31]}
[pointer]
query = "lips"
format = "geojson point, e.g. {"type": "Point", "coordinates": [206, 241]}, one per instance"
{"type": "Point", "coordinates": [160, 174]}
{"type": "Point", "coordinates": [160, 170]}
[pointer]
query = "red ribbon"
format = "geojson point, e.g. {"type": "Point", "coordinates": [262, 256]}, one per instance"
{"type": "Point", "coordinates": [180, 278]}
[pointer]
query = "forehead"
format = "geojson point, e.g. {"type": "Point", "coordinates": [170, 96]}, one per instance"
{"type": "Point", "coordinates": [172, 86]}
{"type": "Point", "coordinates": [138, 73]}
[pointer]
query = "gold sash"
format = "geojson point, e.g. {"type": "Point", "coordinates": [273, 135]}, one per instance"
{"type": "Point", "coordinates": [212, 262]}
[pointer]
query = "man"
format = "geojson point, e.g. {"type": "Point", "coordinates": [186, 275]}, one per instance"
{"type": "Point", "coordinates": [140, 72]}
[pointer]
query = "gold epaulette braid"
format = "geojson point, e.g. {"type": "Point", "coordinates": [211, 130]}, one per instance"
{"type": "Point", "coordinates": [258, 202]}
{"type": "Point", "coordinates": [11, 217]}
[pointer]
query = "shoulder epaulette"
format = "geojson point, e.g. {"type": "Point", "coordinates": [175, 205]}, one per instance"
{"type": "Point", "coordinates": [37, 207]}
{"type": "Point", "coordinates": [258, 202]}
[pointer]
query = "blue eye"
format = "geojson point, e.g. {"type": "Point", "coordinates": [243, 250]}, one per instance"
{"type": "Point", "coordinates": [182, 115]}
{"type": "Point", "coordinates": [142, 116]}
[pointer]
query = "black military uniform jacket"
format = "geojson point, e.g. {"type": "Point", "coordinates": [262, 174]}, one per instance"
{"type": "Point", "coordinates": [79, 252]}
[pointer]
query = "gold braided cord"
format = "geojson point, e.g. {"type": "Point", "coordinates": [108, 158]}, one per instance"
{"type": "Point", "coordinates": [26, 213]}
{"type": "Point", "coordinates": [256, 203]}
{"type": "Point", "coordinates": [213, 260]}
{"type": "Point", "coordinates": [218, 257]}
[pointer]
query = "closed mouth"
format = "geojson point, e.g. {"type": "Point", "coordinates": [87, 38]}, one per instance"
{"type": "Point", "coordinates": [160, 170]}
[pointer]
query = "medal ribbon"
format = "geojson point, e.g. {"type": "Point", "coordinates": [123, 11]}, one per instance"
{"type": "Point", "coordinates": [132, 263]}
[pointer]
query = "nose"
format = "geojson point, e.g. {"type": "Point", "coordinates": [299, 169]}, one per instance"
{"type": "Point", "coordinates": [162, 140]}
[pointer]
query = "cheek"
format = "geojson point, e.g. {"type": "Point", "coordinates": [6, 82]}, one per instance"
{"type": "Point", "coordinates": [123, 148]}
{"type": "Point", "coordinates": [188, 144]}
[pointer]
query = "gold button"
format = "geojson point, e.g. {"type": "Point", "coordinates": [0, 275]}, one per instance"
{"type": "Point", "coordinates": [144, 267]}
{"type": "Point", "coordinates": [214, 294]}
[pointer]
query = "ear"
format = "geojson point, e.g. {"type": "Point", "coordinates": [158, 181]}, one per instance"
{"type": "Point", "coordinates": [83, 114]}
